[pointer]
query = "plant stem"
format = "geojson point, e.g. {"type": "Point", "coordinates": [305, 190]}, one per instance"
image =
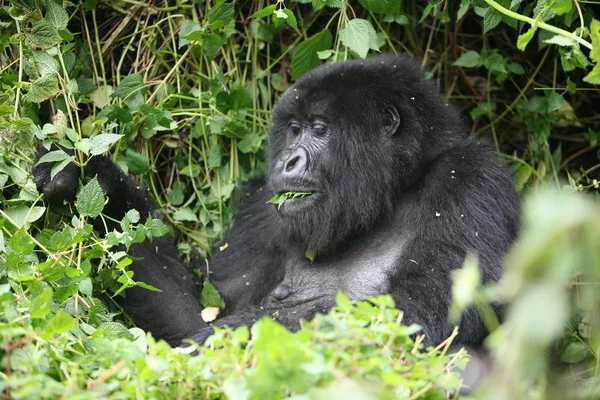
{"type": "Point", "coordinates": [541, 24]}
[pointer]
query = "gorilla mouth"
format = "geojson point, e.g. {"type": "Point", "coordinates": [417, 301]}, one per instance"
{"type": "Point", "coordinates": [290, 201]}
{"type": "Point", "coordinates": [288, 196]}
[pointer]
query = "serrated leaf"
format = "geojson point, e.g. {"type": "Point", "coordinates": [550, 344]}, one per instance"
{"type": "Point", "coordinates": [491, 19]}
{"type": "Point", "coordinates": [85, 286]}
{"type": "Point", "coordinates": [61, 323]}
{"type": "Point", "coordinates": [358, 35]}
{"type": "Point", "coordinates": [221, 15]}
{"type": "Point", "coordinates": [128, 85]}
{"type": "Point", "coordinates": [56, 15]}
{"type": "Point", "coordinates": [90, 199]}
{"type": "Point", "coordinates": [43, 35]}
{"type": "Point", "coordinates": [574, 353]}
{"type": "Point", "coordinates": [560, 41]}
{"type": "Point", "coordinates": [59, 166]}
{"type": "Point", "coordinates": [304, 56]}
{"type": "Point", "coordinates": [469, 59]}
{"type": "Point", "coordinates": [291, 20]}
{"type": "Point", "coordinates": [23, 215]}
{"type": "Point", "coordinates": [101, 143]}
{"type": "Point", "coordinates": [53, 156]}
{"type": "Point", "coordinates": [47, 64]}
{"type": "Point", "coordinates": [42, 89]}
{"type": "Point", "coordinates": [526, 37]}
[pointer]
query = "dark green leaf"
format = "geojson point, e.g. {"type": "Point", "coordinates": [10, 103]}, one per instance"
{"type": "Point", "coordinates": [210, 297]}
{"type": "Point", "coordinates": [381, 6]}
{"type": "Point", "coordinates": [137, 163]}
{"type": "Point", "coordinates": [304, 56]}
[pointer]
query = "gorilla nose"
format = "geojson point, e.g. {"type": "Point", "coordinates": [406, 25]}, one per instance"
{"type": "Point", "coordinates": [296, 163]}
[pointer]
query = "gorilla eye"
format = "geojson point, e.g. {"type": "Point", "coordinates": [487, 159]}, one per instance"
{"type": "Point", "coordinates": [320, 129]}
{"type": "Point", "coordinates": [294, 128]}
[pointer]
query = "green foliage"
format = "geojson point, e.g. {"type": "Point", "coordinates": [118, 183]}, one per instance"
{"type": "Point", "coordinates": [181, 96]}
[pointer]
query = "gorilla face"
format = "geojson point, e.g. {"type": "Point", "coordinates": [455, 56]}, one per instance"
{"type": "Point", "coordinates": [355, 141]}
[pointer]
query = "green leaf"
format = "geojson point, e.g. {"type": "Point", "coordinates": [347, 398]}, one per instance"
{"type": "Point", "coordinates": [42, 89]}
{"type": "Point", "coordinates": [23, 215]}
{"type": "Point", "coordinates": [291, 20]}
{"type": "Point", "coordinates": [469, 59]}
{"type": "Point", "coordinates": [358, 35]}
{"type": "Point", "coordinates": [304, 56]}
{"type": "Point", "coordinates": [90, 199]}
{"type": "Point", "coordinates": [594, 76]}
{"type": "Point", "coordinates": [282, 197]}
{"type": "Point", "coordinates": [56, 15]}
{"type": "Point", "coordinates": [381, 6]}
{"type": "Point", "coordinates": [221, 15]}
{"type": "Point", "coordinates": [53, 156]}
{"type": "Point", "coordinates": [574, 353]}
{"type": "Point", "coordinates": [189, 32]}
{"type": "Point", "coordinates": [185, 214]}
{"type": "Point", "coordinates": [426, 11]}
{"type": "Point", "coordinates": [101, 96]}
{"type": "Point", "coordinates": [595, 34]}
{"type": "Point", "coordinates": [491, 19]}
{"type": "Point", "coordinates": [128, 85]}
{"type": "Point", "coordinates": [41, 304]}
{"type": "Point", "coordinates": [47, 65]}
{"type": "Point", "coordinates": [101, 143]}
{"type": "Point", "coordinates": [561, 6]}
{"type": "Point", "coordinates": [464, 7]}
{"type": "Point", "coordinates": [85, 286]}
{"type": "Point", "coordinates": [264, 12]}
{"type": "Point", "coordinates": [560, 40]}
{"type": "Point", "coordinates": [43, 35]}
{"type": "Point", "coordinates": [56, 168]}
{"type": "Point", "coordinates": [210, 296]}
{"type": "Point", "coordinates": [215, 156]}
{"type": "Point", "coordinates": [61, 323]}
{"type": "Point", "coordinates": [526, 37]}
{"type": "Point", "coordinates": [137, 163]}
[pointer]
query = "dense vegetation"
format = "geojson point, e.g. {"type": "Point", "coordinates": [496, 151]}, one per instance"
{"type": "Point", "coordinates": [179, 93]}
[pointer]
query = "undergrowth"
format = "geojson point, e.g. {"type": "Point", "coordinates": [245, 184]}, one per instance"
{"type": "Point", "coordinates": [179, 94]}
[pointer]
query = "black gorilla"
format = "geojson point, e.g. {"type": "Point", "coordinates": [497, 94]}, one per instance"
{"type": "Point", "coordinates": [398, 194]}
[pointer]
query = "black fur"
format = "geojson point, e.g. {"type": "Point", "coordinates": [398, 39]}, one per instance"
{"type": "Point", "coordinates": [400, 194]}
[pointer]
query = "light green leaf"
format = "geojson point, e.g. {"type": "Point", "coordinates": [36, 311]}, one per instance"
{"type": "Point", "coordinates": [41, 304]}
{"type": "Point", "coordinates": [561, 6]}
{"type": "Point", "coordinates": [358, 35]}
{"type": "Point", "coordinates": [469, 59]}
{"type": "Point", "coordinates": [85, 286]}
{"type": "Point", "coordinates": [53, 156]}
{"type": "Point", "coordinates": [101, 143]}
{"type": "Point", "coordinates": [90, 199]}
{"type": "Point", "coordinates": [526, 37]}
{"type": "Point", "coordinates": [47, 65]}
{"type": "Point", "coordinates": [594, 76]}
{"type": "Point", "coordinates": [595, 34]}
{"type": "Point", "coordinates": [101, 96]}
{"type": "Point", "coordinates": [56, 15]}
{"type": "Point", "coordinates": [560, 41]}
{"type": "Point", "coordinates": [185, 214]}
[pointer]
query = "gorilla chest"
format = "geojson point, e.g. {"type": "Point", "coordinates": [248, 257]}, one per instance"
{"type": "Point", "coordinates": [360, 271]}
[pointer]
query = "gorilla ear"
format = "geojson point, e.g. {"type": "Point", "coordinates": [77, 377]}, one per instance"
{"type": "Point", "coordinates": [391, 120]}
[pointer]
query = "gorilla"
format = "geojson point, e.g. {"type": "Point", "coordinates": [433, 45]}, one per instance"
{"type": "Point", "coordinates": [381, 191]}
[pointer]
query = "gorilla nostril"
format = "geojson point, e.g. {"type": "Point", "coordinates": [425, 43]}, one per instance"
{"type": "Point", "coordinates": [291, 164]}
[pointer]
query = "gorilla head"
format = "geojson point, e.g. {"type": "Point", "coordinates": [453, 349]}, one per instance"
{"type": "Point", "coordinates": [353, 135]}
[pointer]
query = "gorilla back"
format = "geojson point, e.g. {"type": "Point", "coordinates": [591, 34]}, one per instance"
{"type": "Point", "coordinates": [386, 194]}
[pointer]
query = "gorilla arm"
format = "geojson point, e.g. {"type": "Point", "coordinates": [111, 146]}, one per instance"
{"type": "Point", "coordinates": [172, 314]}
